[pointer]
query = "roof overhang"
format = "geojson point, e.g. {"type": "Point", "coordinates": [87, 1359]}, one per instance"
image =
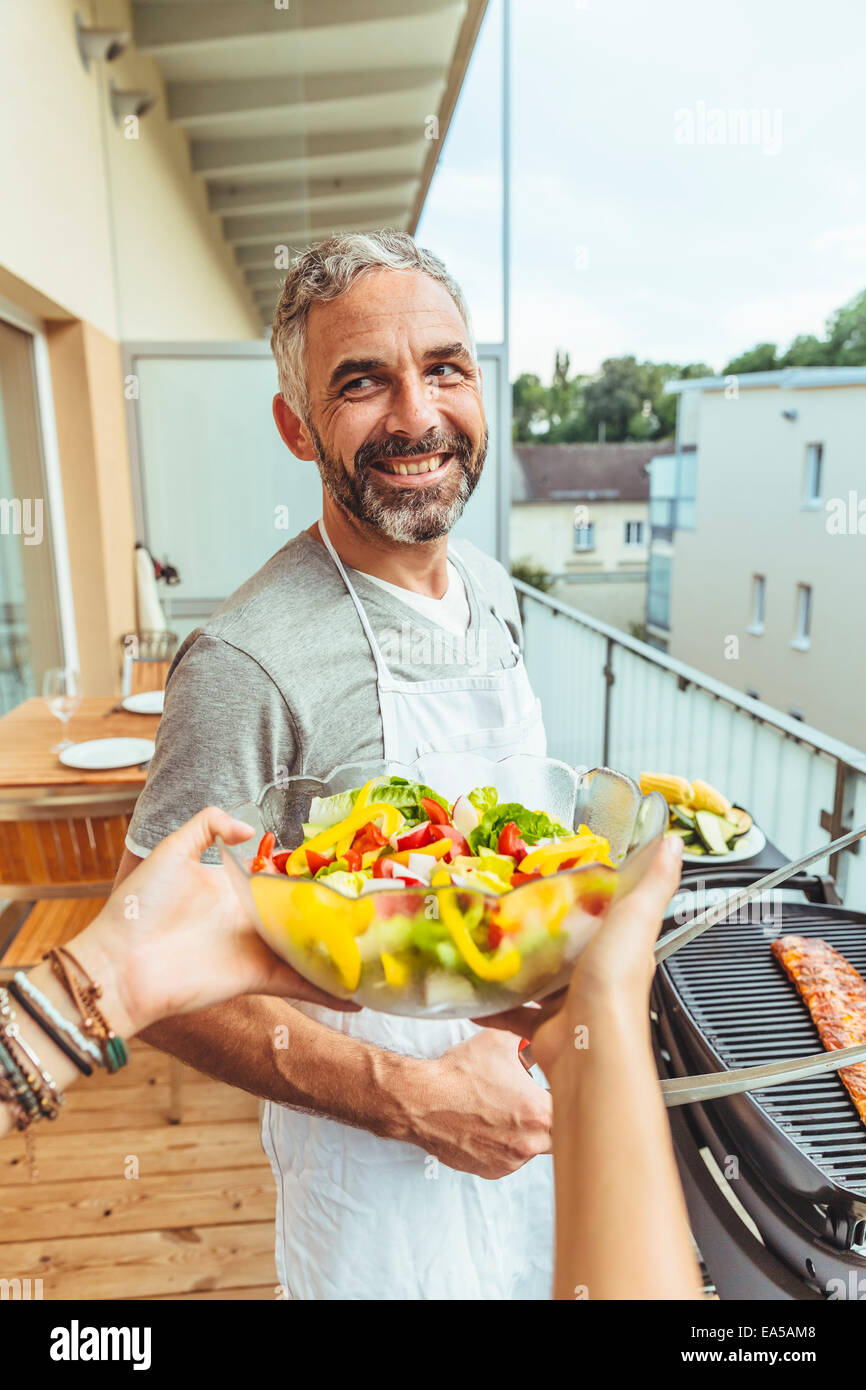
{"type": "Point", "coordinates": [788, 379]}
{"type": "Point", "coordinates": [313, 117]}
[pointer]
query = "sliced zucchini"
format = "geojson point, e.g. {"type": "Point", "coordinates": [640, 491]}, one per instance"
{"type": "Point", "coordinates": [695, 847]}
{"type": "Point", "coordinates": [741, 819]}
{"type": "Point", "coordinates": [683, 816]}
{"type": "Point", "coordinates": [685, 835]}
{"type": "Point", "coordinates": [708, 828]}
{"type": "Point", "coordinates": [728, 828]}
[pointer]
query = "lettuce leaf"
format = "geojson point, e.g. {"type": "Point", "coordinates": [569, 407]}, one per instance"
{"type": "Point", "coordinates": [483, 799]}
{"type": "Point", "coordinates": [532, 825]}
{"type": "Point", "coordinates": [406, 796]}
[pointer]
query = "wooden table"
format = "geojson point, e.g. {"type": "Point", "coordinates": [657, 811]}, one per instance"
{"type": "Point", "coordinates": [28, 733]}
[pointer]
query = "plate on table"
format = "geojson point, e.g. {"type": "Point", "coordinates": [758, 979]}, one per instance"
{"type": "Point", "coordinates": [746, 847]}
{"type": "Point", "coordinates": [145, 702]}
{"type": "Point", "coordinates": [101, 754]}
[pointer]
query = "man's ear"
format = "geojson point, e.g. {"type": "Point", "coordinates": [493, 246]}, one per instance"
{"type": "Point", "coordinates": [293, 431]}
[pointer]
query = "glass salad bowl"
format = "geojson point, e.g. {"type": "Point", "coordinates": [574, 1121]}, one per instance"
{"type": "Point", "coordinates": [452, 887]}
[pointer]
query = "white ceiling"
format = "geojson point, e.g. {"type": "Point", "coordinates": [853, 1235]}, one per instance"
{"type": "Point", "coordinates": [311, 118]}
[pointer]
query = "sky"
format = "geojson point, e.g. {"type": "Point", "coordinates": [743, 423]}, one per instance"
{"type": "Point", "coordinates": [645, 218]}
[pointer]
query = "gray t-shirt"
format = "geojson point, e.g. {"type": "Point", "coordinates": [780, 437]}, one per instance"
{"type": "Point", "coordinates": [281, 679]}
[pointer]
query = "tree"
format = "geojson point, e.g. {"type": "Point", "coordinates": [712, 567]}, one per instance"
{"type": "Point", "coordinates": [761, 358]}
{"type": "Point", "coordinates": [529, 407]}
{"type": "Point", "coordinates": [615, 396]}
{"type": "Point", "coordinates": [805, 351]}
{"type": "Point", "coordinates": [846, 334]}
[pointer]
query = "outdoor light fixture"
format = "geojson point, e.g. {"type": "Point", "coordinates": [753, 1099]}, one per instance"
{"type": "Point", "coordinates": [99, 45]}
{"type": "Point", "coordinates": [790, 414]}
{"type": "Point", "coordinates": [130, 103]}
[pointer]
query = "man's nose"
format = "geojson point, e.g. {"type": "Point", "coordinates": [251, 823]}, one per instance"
{"type": "Point", "coordinates": [413, 408]}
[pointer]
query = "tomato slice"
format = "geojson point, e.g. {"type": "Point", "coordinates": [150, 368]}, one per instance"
{"type": "Point", "coordinates": [417, 837]}
{"type": "Point", "coordinates": [517, 878]}
{"type": "Point", "coordinates": [495, 935]}
{"type": "Point", "coordinates": [262, 858]}
{"type": "Point", "coordinates": [368, 837]}
{"type": "Point", "coordinates": [354, 859]}
{"type": "Point", "coordinates": [459, 843]}
{"type": "Point", "coordinates": [315, 861]}
{"type": "Point", "coordinates": [510, 842]}
{"type": "Point", "coordinates": [279, 859]}
{"type": "Point", "coordinates": [437, 814]}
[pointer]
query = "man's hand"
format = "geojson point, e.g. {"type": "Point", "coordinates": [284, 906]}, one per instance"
{"type": "Point", "coordinates": [484, 1114]}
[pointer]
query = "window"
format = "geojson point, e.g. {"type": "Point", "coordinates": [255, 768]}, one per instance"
{"type": "Point", "coordinates": [658, 606]}
{"type": "Point", "coordinates": [804, 617]}
{"type": "Point", "coordinates": [30, 637]}
{"type": "Point", "coordinates": [634, 533]}
{"type": "Point", "coordinates": [759, 598]}
{"type": "Point", "coordinates": [814, 468]}
{"type": "Point", "coordinates": [584, 537]}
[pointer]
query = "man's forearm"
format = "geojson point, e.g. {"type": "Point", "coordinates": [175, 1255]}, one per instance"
{"type": "Point", "coordinates": [265, 1046]}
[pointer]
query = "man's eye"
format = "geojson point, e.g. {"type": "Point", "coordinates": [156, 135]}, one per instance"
{"type": "Point", "coordinates": [359, 384]}
{"type": "Point", "coordinates": [446, 368]}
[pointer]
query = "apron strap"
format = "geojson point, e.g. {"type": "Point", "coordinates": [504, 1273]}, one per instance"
{"type": "Point", "coordinates": [381, 668]}
{"type": "Point", "coordinates": [469, 578]}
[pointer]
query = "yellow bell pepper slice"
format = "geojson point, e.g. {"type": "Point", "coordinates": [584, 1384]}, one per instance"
{"type": "Point", "coordinates": [396, 973]}
{"type": "Point", "coordinates": [436, 851]}
{"type": "Point", "coordinates": [500, 967]}
{"type": "Point", "coordinates": [547, 858]}
{"type": "Point", "coordinates": [440, 879]}
{"type": "Point", "coordinates": [305, 913]}
{"type": "Point", "coordinates": [326, 839]}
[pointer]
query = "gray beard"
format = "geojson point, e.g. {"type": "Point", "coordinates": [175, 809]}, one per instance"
{"type": "Point", "coordinates": [406, 519]}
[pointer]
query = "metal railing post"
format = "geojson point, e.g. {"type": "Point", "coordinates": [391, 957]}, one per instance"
{"type": "Point", "coordinates": [609, 679]}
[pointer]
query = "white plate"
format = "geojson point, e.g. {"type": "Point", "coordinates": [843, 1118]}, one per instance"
{"type": "Point", "coordinates": [746, 847]}
{"type": "Point", "coordinates": [99, 754]}
{"type": "Point", "coordinates": [146, 702]}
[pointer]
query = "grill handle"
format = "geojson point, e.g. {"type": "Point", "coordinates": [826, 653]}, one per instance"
{"type": "Point", "coordinates": [719, 911]}
{"type": "Point", "coordinates": [686, 1090]}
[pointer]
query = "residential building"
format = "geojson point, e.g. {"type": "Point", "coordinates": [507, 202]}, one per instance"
{"type": "Point", "coordinates": [580, 512]}
{"type": "Point", "coordinates": [758, 545]}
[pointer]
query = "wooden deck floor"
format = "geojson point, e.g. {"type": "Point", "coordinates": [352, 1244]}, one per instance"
{"type": "Point", "coordinates": [196, 1222]}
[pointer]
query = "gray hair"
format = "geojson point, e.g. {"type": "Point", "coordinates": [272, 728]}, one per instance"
{"type": "Point", "coordinates": [325, 271]}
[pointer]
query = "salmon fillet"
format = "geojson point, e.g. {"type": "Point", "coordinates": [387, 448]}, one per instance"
{"type": "Point", "coordinates": [835, 995]}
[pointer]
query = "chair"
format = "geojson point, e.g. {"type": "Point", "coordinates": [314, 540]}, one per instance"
{"type": "Point", "coordinates": [146, 661]}
{"type": "Point", "coordinates": [58, 857]}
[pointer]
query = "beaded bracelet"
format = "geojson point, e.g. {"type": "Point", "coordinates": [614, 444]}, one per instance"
{"type": "Point", "coordinates": [24, 1095]}
{"type": "Point", "coordinates": [41, 1086]}
{"type": "Point", "coordinates": [53, 1022]}
{"type": "Point", "coordinates": [94, 1022]}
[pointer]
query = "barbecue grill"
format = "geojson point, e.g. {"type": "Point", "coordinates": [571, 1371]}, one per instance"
{"type": "Point", "coordinates": [776, 1180]}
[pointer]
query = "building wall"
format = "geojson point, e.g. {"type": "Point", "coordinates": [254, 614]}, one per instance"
{"type": "Point", "coordinates": [106, 239]}
{"type": "Point", "coordinates": [80, 196]}
{"type": "Point", "coordinates": [543, 532]}
{"type": "Point", "coordinates": [751, 520]}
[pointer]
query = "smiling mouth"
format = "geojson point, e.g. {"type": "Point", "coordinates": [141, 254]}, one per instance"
{"type": "Point", "coordinates": [412, 467]}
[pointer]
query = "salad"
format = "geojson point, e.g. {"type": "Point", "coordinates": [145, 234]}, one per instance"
{"type": "Point", "coordinates": [395, 891]}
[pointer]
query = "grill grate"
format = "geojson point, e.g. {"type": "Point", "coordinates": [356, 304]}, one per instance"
{"type": "Point", "coordinates": [749, 1012]}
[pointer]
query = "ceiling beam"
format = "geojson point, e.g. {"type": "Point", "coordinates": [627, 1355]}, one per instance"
{"type": "Point", "coordinates": [168, 29]}
{"type": "Point", "coordinates": [193, 103]}
{"type": "Point", "coordinates": [304, 193]}
{"type": "Point", "coordinates": [262, 278]}
{"type": "Point", "coordinates": [273, 230]}
{"type": "Point", "coordinates": [227, 158]}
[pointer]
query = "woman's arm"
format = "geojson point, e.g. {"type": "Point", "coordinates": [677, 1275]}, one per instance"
{"type": "Point", "coordinates": [173, 940]}
{"type": "Point", "coordinates": [622, 1229]}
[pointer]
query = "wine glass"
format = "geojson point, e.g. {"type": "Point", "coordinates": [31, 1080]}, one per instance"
{"type": "Point", "coordinates": [61, 690]}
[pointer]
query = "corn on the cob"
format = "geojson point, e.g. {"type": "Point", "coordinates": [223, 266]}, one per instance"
{"type": "Point", "coordinates": [675, 790]}
{"type": "Point", "coordinates": [706, 798]}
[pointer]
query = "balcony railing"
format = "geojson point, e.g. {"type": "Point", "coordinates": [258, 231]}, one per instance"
{"type": "Point", "coordinates": [609, 699]}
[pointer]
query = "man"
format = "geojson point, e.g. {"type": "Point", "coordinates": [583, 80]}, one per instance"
{"type": "Point", "coordinates": [410, 1156]}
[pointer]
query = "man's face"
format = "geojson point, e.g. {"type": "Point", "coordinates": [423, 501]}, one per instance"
{"type": "Point", "coordinates": [395, 404]}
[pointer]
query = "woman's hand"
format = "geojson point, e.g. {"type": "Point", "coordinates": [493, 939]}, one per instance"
{"type": "Point", "coordinates": [173, 937]}
{"type": "Point", "coordinates": [614, 972]}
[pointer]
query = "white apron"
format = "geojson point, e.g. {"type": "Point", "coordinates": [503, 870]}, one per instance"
{"type": "Point", "coordinates": [359, 1217]}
